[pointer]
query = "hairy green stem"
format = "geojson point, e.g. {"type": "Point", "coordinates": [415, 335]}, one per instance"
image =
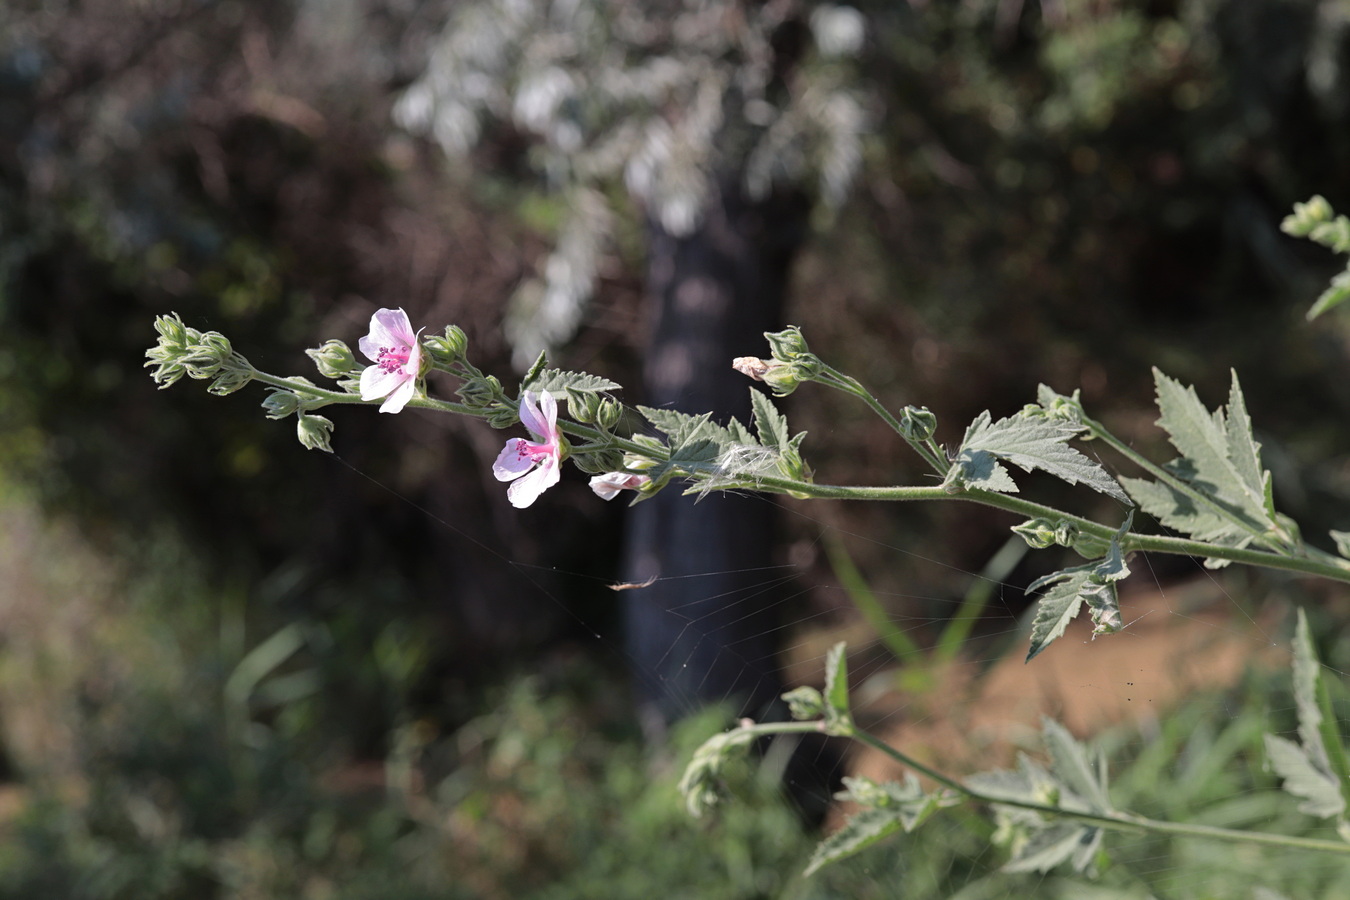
{"type": "Point", "coordinates": [834, 378]}
{"type": "Point", "coordinates": [1115, 821]}
{"type": "Point", "coordinates": [1334, 570]}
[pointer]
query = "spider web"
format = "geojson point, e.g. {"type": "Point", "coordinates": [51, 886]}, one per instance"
{"type": "Point", "coordinates": [1178, 700]}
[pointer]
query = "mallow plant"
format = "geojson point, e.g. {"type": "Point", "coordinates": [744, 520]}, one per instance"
{"type": "Point", "coordinates": [1214, 499]}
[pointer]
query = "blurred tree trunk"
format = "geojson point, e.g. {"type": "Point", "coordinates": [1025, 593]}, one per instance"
{"type": "Point", "coordinates": [705, 630]}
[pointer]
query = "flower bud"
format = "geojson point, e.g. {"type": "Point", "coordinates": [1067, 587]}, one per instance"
{"type": "Point", "coordinates": [583, 405]}
{"type": "Point", "coordinates": [1039, 533]}
{"type": "Point", "coordinates": [334, 359]}
{"type": "Point", "coordinates": [280, 404]}
{"type": "Point", "coordinates": [314, 432]}
{"type": "Point", "coordinates": [805, 703]}
{"type": "Point", "coordinates": [482, 392]}
{"type": "Point", "coordinates": [788, 344]}
{"type": "Point", "coordinates": [503, 415]}
{"type": "Point", "coordinates": [445, 350]}
{"type": "Point", "coordinates": [610, 414]}
{"type": "Point", "coordinates": [233, 374]}
{"type": "Point", "coordinates": [917, 423]}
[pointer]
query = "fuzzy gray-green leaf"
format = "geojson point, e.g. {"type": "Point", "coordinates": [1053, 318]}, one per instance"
{"type": "Point", "coordinates": [1204, 440]}
{"type": "Point", "coordinates": [862, 830]}
{"type": "Point", "coordinates": [1335, 294]}
{"type": "Point", "coordinates": [558, 382]}
{"type": "Point", "coordinates": [1056, 608]}
{"type": "Point", "coordinates": [1035, 443]}
{"type": "Point", "coordinates": [1059, 843]}
{"type": "Point", "coordinates": [836, 686]}
{"type": "Point", "coordinates": [1243, 450]}
{"type": "Point", "coordinates": [1320, 793]}
{"type": "Point", "coordinates": [1342, 539]}
{"type": "Point", "coordinates": [1080, 770]}
{"type": "Point", "coordinates": [769, 422]}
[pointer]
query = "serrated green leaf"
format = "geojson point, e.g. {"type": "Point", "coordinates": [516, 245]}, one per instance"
{"type": "Point", "coordinates": [1056, 608]}
{"type": "Point", "coordinates": [1320, 794]}
{"type": "Point", "coordinates": [740, 434]}
{"type": "Point", "coordinates": [861, 831]}
{"type": "Point", "coordinates": [1307, 680]}
{"type": "Point", "coordinates": [1059, 843]}
{"type": "Point", "coordinates": [1243, 451]}
{"type": "Point", "coordinates": [980, 469]}
{"type": "Point", "coordinates": [1342, 539]}
{"type": "Point", "coordinates": [698, 444]}
{"type": "Point", "coordinates": [1315, 769]}
{"type": "Point", "coordinates": [836, 687]}
{"type": "Point", "coordinates": [769, 422]}
{"type": "Point", "coordinates": [1079, 769]}
{"type": "Point", "coordinates": [1336, 294]}
{"type": "Point", "coordinates": [1031, 443]}
{"type": "Point", "coordinates": [1203, 439]}
{"type": "Point", "coordinates": [1327, 726]}
{"type": "Point", "coordinates": [887, 807]}
{"type": "Point", "coordinates": [1038, 843]}
{"type": "Point", "coordinates": [1093, 583]}
{"type": "Point", "coordinates": [558, 382]}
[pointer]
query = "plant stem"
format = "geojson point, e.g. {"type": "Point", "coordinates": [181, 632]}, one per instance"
{"type": "Point", "coordinates": [832, 377]}
{"type": "Point", "coordinates": [1115, 821]}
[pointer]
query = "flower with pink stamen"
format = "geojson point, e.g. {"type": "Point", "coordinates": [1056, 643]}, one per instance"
{"type": "Point", "coordinates": [532, 467]}
{"type": "Point", "coordinates": [392, 346]}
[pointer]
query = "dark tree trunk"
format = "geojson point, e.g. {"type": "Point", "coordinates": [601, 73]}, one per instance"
{"type": "Point", "coordinates": [705, 630]}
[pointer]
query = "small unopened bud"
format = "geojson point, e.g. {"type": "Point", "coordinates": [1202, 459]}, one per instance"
{"type": "Point", "coordinates": [503, 415]}
{"type": "Point", "coordinates": [805, 703]}
{"type": "Point", "coordinates": [1318, 208]}
{"type": "Point", "coordinates": [481, 393]}
{"type": "Point", "coordinates": [445, 350]}
{"type": "Point", "coordinates": [636, 463]}
{"type": "Point", "coordinates": [1039, 533]}
{"type": "Point", "coordinates": [917, 423]}
{"type": "Point", "coordinates": [610, 414]}
{"type": "Point", "coordinates": [314, 432]}
{"type": "Point", "coordinates": [787, 344]}
{"type": "Point", "coordinates": [280, 404]}
{"type": "Point", "coordinates": [232, 374]}
{"type": "Point", "coordinates": [334, 359]}
{"type": "Point", "coordinates": [583, 406]}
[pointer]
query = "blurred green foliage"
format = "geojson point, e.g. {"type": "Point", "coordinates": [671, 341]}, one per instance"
{"type": "Point", "coordinates": [292, 704]}
{"type": "Point", "coordinates": [142, 771]}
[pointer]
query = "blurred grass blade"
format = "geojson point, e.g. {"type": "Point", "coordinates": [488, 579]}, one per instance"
{"type": "Point", "coordinates": [863, 599]}
{"type": "Point", "coordinates": [977, 597]}
{"type": "Point", "coordinates": [261, 661]}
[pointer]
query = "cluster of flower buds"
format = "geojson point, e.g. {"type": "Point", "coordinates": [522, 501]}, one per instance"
{"type": "Point", "coordinates": [197, 354]}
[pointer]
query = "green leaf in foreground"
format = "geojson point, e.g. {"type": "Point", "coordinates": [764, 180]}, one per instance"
{"type": "Point", "coordinates": [886, 809]}
{"type": "Point", "coordinates": [1067, 590]}
{"type": "Point", "coordinates": [1030, 443]}
{"type": "Point", "coordinates": [1315, 768]}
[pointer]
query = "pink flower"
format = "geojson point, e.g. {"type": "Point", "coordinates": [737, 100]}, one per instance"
{"type": "Point", "coordinates": [608, 485]}
{"type": "Point", "coordinates": [538, 463]}
{"type": "Point", "coordinates": [393, 347]}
